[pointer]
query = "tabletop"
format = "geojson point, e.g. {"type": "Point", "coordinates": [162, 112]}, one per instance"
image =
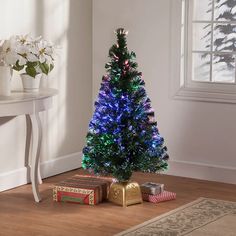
{"type": "Point", "coordinates": [20, 96]}
{"type": "Point", "coordinates": [20, 102]}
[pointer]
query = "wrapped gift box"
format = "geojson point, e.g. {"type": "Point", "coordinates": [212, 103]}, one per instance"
{"type": "Point", "coordinates": [106, 178]}
{"type": "Point", "coordinates": [81, 190]}
{"type": "Point", "coordinates": [85, 182]}
{"type": "Point", "coordinates": [152, 188]}
{"type": "Point", "coordinates": [164, 196]}
{"type": "Point", "coordinates": [75, 195]}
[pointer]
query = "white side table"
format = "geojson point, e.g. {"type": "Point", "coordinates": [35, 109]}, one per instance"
{"type": "Point", "coordinates": [29, 104]}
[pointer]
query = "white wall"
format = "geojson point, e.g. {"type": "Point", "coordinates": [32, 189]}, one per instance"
{"type": "Point", "coordinates": [69, 25]}
{"type": "Point", "coordinates": [200, 136]}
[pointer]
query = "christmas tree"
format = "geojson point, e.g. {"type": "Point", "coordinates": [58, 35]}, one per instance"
{"type": "Point", "coordinates": [123, 136]}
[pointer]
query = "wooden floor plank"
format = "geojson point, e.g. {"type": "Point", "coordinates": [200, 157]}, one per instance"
{"type": "Point", "coordinates": [20, 215]}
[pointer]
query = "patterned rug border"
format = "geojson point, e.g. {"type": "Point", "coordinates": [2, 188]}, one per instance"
{"type": "Point", "coordinates": [168, 214]}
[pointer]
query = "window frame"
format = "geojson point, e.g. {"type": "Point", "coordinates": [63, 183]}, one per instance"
{"type": "Point", "coordinates": [182, 85]}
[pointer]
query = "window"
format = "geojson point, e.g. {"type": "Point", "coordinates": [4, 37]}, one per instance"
{"type": "Point", "coordinates": [208, 49]}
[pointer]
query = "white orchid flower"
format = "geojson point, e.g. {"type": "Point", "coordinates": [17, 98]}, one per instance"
{"type": "Point", "coordinates": [38, 39]}
{"type": "Point", "coordinates": [44, 52]}
{"type": "Point", "coordinates": [19, 50]}
{"type": "Point", "coordinates": [8, 53]}
{"type": "Point", "coordinates": [52, 50]}
{"type": "Point", "coordinates": [25, 55]}
{"type": "Point", "coordinates": [23, 39]}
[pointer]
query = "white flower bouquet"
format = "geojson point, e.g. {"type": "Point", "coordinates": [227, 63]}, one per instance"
{"type": "Point", "coordinates": [33, 56]}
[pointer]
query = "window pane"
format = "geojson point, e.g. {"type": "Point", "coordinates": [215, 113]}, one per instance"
{"type": "Point", "coordinates": [223, 68]}
{"type": "Point", "coordinates": [201, 67]}
{"type": "Point", "coordinates": [201, 37]}
{"type": "Point", "coordinates": [202, 9]}
{"type": "Point", "coordinates": [224, 38]}
{"type": "Point", "coordinates": [225, 10]}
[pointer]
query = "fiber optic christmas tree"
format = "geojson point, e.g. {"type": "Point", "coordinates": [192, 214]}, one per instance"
{"type": "Point", "coordinates": [123, 136]}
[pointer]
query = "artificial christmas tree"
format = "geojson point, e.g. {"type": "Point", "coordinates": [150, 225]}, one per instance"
{"type": "Point", "coordinates": [123, 136]}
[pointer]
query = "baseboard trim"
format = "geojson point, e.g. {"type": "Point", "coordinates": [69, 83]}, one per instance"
{"type": "Point", "coordinates": [72, 161]}
{"type": "Point", "coordinates": [60, 165]}
{"type": "Point", "coordinates": [196, 170]}
{"type": "Point", "coordinates": [15, 178]}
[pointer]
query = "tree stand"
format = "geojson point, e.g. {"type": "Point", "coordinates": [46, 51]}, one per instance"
{"type": "Point", "coordinates": [125, 193]}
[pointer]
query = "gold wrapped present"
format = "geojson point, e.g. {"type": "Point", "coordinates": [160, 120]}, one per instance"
{"type": "Point", "coordinates": [125, 193]}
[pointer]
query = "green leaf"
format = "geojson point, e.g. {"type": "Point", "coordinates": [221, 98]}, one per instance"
{"type": "Point", "coordinates": [30, 70]}
{"type": "Point", "coordinates": [34, 64]}
{"type": "Point", "coordinates": [44, 67]}
{"type": "Point", "coordinates": [17, 67]}
{"type": "Point", "coordinates": [51, 67]}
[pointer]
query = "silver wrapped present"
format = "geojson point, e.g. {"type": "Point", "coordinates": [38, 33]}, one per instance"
{"type": "Point", "coordinates": [152, 188]}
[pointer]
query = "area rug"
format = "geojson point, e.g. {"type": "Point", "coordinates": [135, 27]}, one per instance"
{"type": "Point", "coordinates": [203, 217]}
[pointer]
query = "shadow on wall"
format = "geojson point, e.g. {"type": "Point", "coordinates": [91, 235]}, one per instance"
{"type": "Point", "coordinates": [4, 120]}
{"type": "Point", "coordinates": [78, 101]}
{"type": "Point", "coordinates": [67, 124]}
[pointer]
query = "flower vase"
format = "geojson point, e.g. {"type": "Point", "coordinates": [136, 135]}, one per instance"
{"type": "Point", "coordinates": [44, 81]}
{"type": "Point", "coordinates": [5, 80]}
{"type": "Point", "coordinates": [30, 84]}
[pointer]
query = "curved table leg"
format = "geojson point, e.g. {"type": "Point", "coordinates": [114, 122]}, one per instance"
{"type": "Point", "coordinates": [27, 145]}
{"type": "Point", "coordinates": [36, 145]}
{"type": "Point", "coordinates": [27, 149]}
{"type": "Point", "coordinates": [40, 181]}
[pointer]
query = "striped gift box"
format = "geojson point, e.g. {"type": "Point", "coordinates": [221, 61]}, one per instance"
{"type": "Point", "coordinates": [82, 189]}
{"type": "Point", "coordinates": [162, 197]}
{"type": "Point", "coordinates": [66, 192]}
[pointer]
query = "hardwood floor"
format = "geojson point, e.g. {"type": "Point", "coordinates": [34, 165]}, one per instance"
{"type": "Point", "coordinates": [21, 216]}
